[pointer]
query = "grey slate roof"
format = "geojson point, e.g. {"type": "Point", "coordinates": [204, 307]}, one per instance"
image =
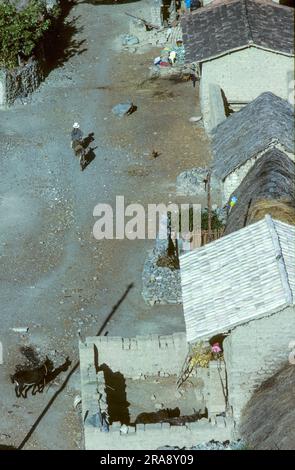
{"type": "Point", "coordinates": [243, 276]}
{"type": "Point", "coordinates": [271, 183]}
{"type": "Point", "coordinates": [249, 131]}
{"type": "Point", "coordinates": [223, 27]}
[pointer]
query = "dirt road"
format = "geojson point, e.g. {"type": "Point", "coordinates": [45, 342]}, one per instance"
{"type": "Point", "coordinates": [55, 277]}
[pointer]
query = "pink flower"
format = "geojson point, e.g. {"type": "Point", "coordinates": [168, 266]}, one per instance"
{"type": "Point", "coordinates": [216, 349]}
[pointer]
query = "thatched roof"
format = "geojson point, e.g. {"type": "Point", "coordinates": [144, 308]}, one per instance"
{"type": "Point", "coordinates": [268, 188]}
{"type": "Point", "coordinates": [251, 130]}
{"type": "Point", "coordinates": [220, 28]}
{"type": "Point", "coordinates": [269, 417]}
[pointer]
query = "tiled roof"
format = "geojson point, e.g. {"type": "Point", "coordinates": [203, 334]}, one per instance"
{"type": "Point", "coordinates": [270, 183]}
{"type": "Point", "coordinates": [223, 27]}
{"type": "Point", "coordinates": [243, 276]}
{"type": "Point", "coordinates": [249, 131]}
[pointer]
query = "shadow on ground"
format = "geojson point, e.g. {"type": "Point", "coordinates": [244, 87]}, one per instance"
{"type": "Point", "coordinates": [59, 42]}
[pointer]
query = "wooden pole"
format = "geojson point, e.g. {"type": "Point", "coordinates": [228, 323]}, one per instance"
{"type": "Point", "coordinates": [209, 205]}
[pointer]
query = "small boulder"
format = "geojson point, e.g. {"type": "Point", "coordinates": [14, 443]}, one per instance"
{"type": "Point", "coordinates": [123, 108]}
{"type": "Point", "coordinates": [129, 40]}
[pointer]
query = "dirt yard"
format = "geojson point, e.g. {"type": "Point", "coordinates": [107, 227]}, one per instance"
{"type": "Point", "coordinates": [56, 279]}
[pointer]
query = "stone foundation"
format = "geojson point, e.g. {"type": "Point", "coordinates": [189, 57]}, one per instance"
{"type": "Point", "coordinates": [160, 285]}
{"type": "Point", "coordinates": [19, 82]}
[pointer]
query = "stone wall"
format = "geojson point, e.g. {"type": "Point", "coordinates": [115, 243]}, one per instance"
{"type": "Point", "coordinates": [19, 82]}
{"type": "Point", "coordinates": [254, 352]}
{"type": "Point", "coordinates": [243, 75]}
{"type": "Point", "coordinates": [234, 179]}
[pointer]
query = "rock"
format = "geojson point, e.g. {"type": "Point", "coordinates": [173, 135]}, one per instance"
{"type": "Point", "coordinates": [21, 329]}
{"type": "Point", "coordinates": [129, 40]}
{"type": "Point", "coordinates": [124, 429]}
{"type": "Point", "coordinates": [50, 4]}
{"type": "Point", "coordinates": [153, 397]}
{"type": "Point", "coordinates": [195, 118]}
{"type": "Point", "coordinates": [122, 108]}
{"type": "Point", "coordinates": [77, 401]}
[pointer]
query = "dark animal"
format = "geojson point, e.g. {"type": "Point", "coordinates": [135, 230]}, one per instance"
{"type": "Point", "coordinates": [31, 378]}
{"type": "Point", "coordinates": [54, 373]}
{"type": "Point", "coordinates": [79, 152]}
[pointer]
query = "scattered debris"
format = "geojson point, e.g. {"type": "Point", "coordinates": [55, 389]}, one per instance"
{"type": "Point", "coordinates": [147, 24]}
{"type": "Point", "coordinates": [191, 183]}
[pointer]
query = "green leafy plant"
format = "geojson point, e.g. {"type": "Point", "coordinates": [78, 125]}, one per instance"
{"type": "Point", "coordinates": [216, 223]}
{"type": "Point", "coordinates": [21, 30]}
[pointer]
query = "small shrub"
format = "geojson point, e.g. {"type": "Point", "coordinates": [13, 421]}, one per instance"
{"type": "Point", "coordinates": [216, 223]}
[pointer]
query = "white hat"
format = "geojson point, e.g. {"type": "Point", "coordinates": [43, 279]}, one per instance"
{"type": "Point", "coordinates": [76, 125]}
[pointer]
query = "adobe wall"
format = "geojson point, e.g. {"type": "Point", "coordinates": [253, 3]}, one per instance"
{"type": "Point", "coordinates": [254, 352]}
{"type": "Point", "coordinates": [153, 436]}
{"type": "Point", "coordinates": [243, 75]}
{"type": "Point", "coordinates": [212, 105]}
{"type": "Point", "coordinates": [139, 356]}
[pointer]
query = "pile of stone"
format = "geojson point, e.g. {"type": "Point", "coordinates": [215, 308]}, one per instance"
{"type": "Point", "coordinates": [160, 285]}
{"type": "Point", "coordinates": [191, 183]}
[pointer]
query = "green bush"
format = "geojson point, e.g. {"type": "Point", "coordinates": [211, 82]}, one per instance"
{"type": "Point", "coordinates": [216, 223]}
{"type": "Point", "coordinates": [21, 31]}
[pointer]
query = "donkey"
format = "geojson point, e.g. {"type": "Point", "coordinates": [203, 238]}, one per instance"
{"type": "Point", "coordinates": [31, 378]}
{"type": "Point", "coordinates": [80, 152]}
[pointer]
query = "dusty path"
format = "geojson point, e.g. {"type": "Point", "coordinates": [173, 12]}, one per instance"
{"type": "Point", "coordinates": [55, 277]}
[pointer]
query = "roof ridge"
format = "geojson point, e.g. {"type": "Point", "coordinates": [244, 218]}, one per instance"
{"type": "Point", "coordinates": [247, 22]}
{"type": "Point", "coordinates": [280, 259]}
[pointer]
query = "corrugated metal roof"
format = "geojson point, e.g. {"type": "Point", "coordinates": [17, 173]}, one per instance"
{"type": "Point", "coordinates": [240, 277]}
{"type": "Point", "coordinates": [223, 27]}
